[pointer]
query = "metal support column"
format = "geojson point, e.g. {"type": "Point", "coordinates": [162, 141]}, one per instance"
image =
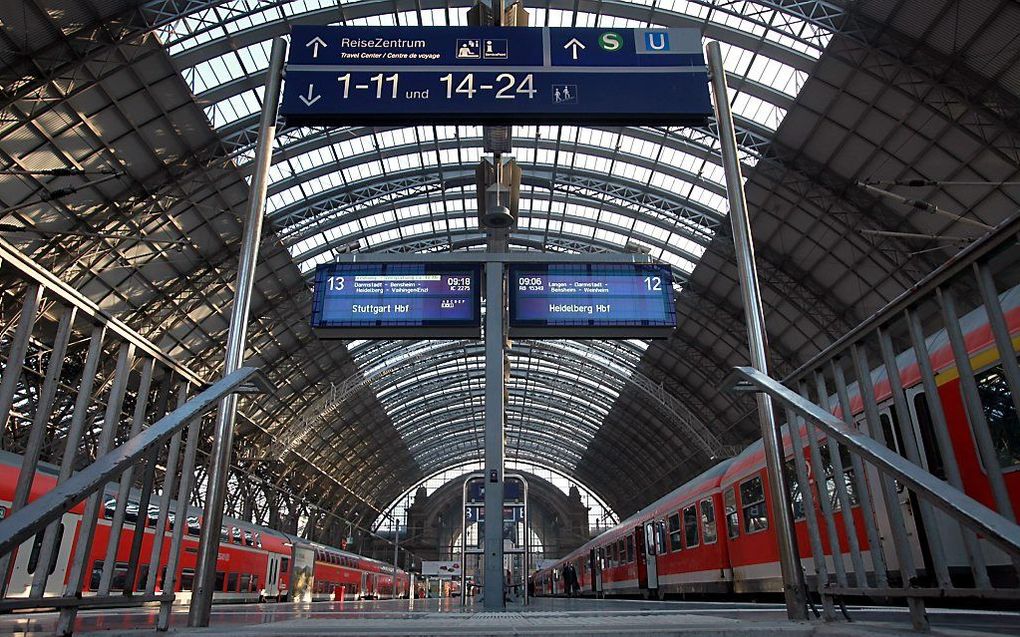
{"type": "Point", "coordinates": [223, 430]}
{"type": "Point", "coordinates": [793, 577]}
{"type": "Point", "coordinates": [396, 551]}
{"type": "Point", "coordinates": [494, 580]}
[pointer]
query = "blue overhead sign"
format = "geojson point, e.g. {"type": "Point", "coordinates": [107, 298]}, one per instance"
{"type": "Point", "coordinates": [397, 300]}
{"type": "Point", "coordinates": [567, 300]}
{"type": "Point", "coordinates": [415, 75]}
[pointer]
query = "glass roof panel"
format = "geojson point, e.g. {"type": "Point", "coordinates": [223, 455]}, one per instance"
{"type": "Point", "coordinates": [660, 188]}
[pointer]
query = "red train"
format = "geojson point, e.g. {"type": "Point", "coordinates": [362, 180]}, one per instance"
{"type": "Point", "coordinates": [713, 534]}
{"type": "Point", "coordinates": [254, 563]}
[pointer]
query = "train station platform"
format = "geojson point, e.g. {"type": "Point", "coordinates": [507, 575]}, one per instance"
{"type": "Point", "coordinates": [544, 616]}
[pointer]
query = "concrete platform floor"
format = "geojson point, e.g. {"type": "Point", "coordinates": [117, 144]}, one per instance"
{"type": "Point", "coordinates": [573, 617]}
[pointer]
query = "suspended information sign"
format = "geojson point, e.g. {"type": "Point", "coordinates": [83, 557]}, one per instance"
{"type": "Point", "coordinates": [423, 75]}
{"type": "Point", "coordinates": [591, 301]}
{"type": "Point", "coordinates": [397, 300]}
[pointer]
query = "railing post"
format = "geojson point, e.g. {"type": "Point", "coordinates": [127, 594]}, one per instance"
{"type": "Point", "coordinates": [223, 431]}
{"type": "Point", "coordinates": [90, 518]}
{"type": "Point", "coordinates": [43, 408]}
{"type": "Point", "coordinates": [73, 437]}
{"type": "Point", "coordinates": [789, 560]}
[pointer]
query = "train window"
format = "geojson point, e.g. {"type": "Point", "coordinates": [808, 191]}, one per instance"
{"type": "Point", "coordinates": [730, 506]}
{"type": "Point", "coordinates": [622, 545]}
{"type": "Point", "coordinates": [249, 539]}
{"type": "Point", "coordinates": [892, 439]}
{"type": "Point", "coordinates": [187, 579]}
{"type": "Point", "coordinates": [119, 576]}
{"type": "Point", "coordinates": [131, 512]}
{"type": "Point", "coordinates": [170, 522]}
{"type": "Point", "coordinates": [143, 578]}
{"type": "Point", "coordinates": [245, 582]}
{"type": "Point", "coordinates": [796, 495]}
{"type": "Point", "coordinates": [614, 555]}
{"type": "Point", "coordinates": [97, 572]}
{"type": "Point", "coordinates": [258, 540]}
{"type": "Point", "coordinates": [221, 578]}
{"type": "Point", "coordinates": [752, 501]}
{"type": "Point", "coordinates": [152, 515]}
{"type": "Point", "coordinates": [630, 550]}
{"type": "Point", "coordinates": [33, 558]}
{"type": "Point", "coordinates": [194, 528]}
{"type": "Point", "coordinates": [929, 443]}
{"type": "Point", "coordinates": [660, 536]}
{"type": "Point", "coordinates": [109, 506]}
{"type": "Point", "coordinates": [284, 565]}
{"type": "Point", "coordinates": [674, 532]}
{"type": "Point", "coordinates": [691, 526]}
{"type": "Point", "coordinates": [235, 535]}
{"type": "Point", "coordinates": [232, 582]}
{"type": "Point", "coordinates": [223, 534]}
{"type": "Point", "coordinates": [708, 530]}
{"type": "Point", "coordinates": [1001, 415]}
{"type": "Point", "coordinates": [848, 476]}
{"type": "Point", "coordinates": [255, 583]}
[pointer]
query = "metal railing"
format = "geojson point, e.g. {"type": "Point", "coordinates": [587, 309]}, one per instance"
{"type": "Point", "coordinates": [102, 421]}
{"type": "Point", "coordinates": [918, 445]}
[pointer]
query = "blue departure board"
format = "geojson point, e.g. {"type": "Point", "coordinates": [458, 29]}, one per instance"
{"type": "Point", "coordinates": [397, 300]}
{"type": "Point", "coordinates": [591, 301]}
{"type": "Point", "coordinates": [376, 75]}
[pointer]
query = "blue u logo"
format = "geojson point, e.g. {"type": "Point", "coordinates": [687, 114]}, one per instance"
{"type": "Point", "coordinates": [657, 40]}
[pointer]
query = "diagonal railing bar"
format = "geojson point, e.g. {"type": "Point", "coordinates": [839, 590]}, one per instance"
{"type": "Point", "coordinates": [26, 522]}
{"type": "Point", "coordinates": [957, 504]}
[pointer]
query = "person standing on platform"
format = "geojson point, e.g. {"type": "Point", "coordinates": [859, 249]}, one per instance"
{"type": "Point", "coordinates": [570, 579]}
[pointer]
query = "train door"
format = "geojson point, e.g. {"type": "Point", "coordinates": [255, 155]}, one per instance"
{"type": "Point", "coordinates": [600, 567]}
{"type": "Point", "coordinates": [642, 558]}
{"type": "Point", "coordinates": [593, 569]}
{"type": "Point", "coordinates": [26, 563]}
{"type": "Point", "coordinates": [650, 556]}
{"type": "Point", "coordinates": [892, 437]}
{"type": "Point", "coordinates": [931, 459]}
{"type": "Point", "coordinates": [271, 588]}
{"type": "Point", "coordinates": [364, 585]}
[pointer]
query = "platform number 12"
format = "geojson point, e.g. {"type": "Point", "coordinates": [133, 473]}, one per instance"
{"type": "Point", "coordinates": [653, 283]}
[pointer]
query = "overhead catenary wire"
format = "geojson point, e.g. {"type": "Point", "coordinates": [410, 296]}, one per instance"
{"type": "Point", "coordinates": [917, 183]}
{"type": "Point", "coordinates": [926, 206]}
{"type": "Point", "coordinates": [50, 195]}
{"type": "Point", "coordinates": [915, 235]}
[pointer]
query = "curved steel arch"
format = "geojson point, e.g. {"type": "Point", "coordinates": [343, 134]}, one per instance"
{"type": "Point", "coordinates": [288, 215]}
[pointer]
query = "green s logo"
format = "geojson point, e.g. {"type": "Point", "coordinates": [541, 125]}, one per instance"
{"type": "Point", "coordinates": [610, 41]}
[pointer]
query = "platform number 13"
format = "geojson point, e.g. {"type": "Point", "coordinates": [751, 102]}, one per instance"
{"type": "Point", "coordinates": [337, 283]}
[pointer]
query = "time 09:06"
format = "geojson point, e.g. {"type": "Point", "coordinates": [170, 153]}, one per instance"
{"type": "Point", "coordinates": [507, 85]}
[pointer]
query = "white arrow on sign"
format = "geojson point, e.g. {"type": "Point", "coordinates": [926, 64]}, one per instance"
{"type": "Point", "coordinates": [574, 45]}
{"type": "Point", "coordinates": [310, 99]}
{"type": "Point", "coordinates": [315, 43]}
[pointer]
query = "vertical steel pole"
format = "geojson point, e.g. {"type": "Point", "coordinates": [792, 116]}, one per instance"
{"type": "Point", "coordinates": [396, 551]}
{"type": "Point", "coordinates": [793, 577]}
{"type": "Point", "coordinates": [493, 479]}
{"type": "Point", "coordinates": [223, 431]}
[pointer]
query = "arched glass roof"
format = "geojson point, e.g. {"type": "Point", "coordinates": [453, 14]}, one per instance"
{"type": "Point", "coordinates": [412, 189]}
